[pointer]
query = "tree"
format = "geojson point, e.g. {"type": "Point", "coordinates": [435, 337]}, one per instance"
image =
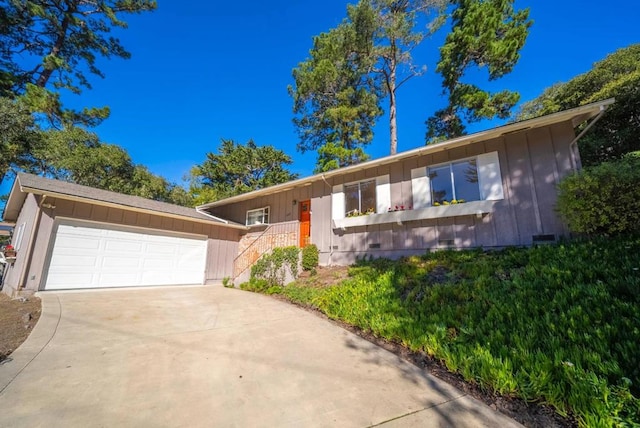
{"type": "Point", "coordinates": [395, 37]}
{"type": "Point", "coordinates": [351, 68]}
{"type": "Point", "coordinates": [617, 133]}
{"type": "Point", "coordinates": [18, 136]}
{"type": "Point", "coordinates": [335, 99]}
{"type": "Point", "coordinates": [238, 168]}
{"type": "Point", "coordinates": [48, 45]}
{"type": "Point", "coordinates": [485, 33]}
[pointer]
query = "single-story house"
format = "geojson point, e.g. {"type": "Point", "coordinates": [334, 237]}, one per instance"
{"type": "Point", "coordinates": [490, 189]}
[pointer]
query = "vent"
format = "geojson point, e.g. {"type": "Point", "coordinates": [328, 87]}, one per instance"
{"type": "Point", "coordinates": [335, 247]}
{"type": "Point", "coordinates": [445, 242]}
{"type": "Point", "coordinates": [543, 238]}
{"type": "Point", "coordinates": [374, 246]}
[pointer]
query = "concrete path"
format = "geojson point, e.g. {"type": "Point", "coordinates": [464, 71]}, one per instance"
{"type": "Point", "coordinates": [210, 356]}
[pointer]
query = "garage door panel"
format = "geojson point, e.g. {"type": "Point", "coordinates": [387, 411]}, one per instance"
{"type": "Point", "coordinates": [156, 248]}
{"type": "Point", "coordinates": [124, 246]}
{"type": "Point", "coordinates": [72, 261]}
{"type": "Point", "coordinates": [74, 242]}
{"type": "Point", "coordinates": [119, 280]}
{"type": "Point", "coordinates": [117, 262]}
{"type": "Point", "coordinates": [73, 279]}
{"type": "Point", "coordinates": [95, 256]}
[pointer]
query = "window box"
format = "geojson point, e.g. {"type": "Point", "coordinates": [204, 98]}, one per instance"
{"type": "Point", "coordinates": [399, 217]}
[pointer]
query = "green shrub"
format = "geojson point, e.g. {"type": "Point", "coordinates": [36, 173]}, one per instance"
{"type": "Point", "coordinates": [310, 257]}
{"type": "Point", "coordinates": [555, 324]}
{"type": "Point", "coordinates": [272, 267]}
{"type": "Point", "coordinates": [603, 199]}
{"type": "Point", "coordinates": [227, 282]}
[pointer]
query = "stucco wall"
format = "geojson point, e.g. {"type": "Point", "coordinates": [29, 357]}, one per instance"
{"type": "Point", "coordinates": [531, 165]}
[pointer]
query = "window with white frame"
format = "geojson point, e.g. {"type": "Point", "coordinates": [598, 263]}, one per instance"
{"type": "Point", "coordinates": [472, 179]}
{"type": "Point", "coordinates": [455, 181]}
{"type": "Point", "coordinates": [258, 216]}
{"type": "Point", "coordinates": [360, 197]}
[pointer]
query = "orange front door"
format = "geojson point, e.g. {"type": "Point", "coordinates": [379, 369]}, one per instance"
{"type": "Point", "coordinates": [305, 223]}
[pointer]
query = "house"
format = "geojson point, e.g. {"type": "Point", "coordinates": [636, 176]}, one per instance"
{"type": "Point", "coordinates": [491, 189]}
{"type": "Point", "coordinates": [507, 177]}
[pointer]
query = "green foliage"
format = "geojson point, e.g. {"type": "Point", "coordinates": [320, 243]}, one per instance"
{"type": "Point", "coordinates": [273, 267]}
{"type": "Point", "coordinates": [556, 324]}
{"type": "Point", "coordinates": [227, 282]}
{"type": "Point", "coordinates": [18, 135]}
{"type": "Point", "coordinates": [603, 199]}
{"type": "Point", "coordinates": [63, 39]}
{"type": "Point", "coordinates": [485, 34]}
{"type": "Point", "coordinates": [238, 168]}
{"type": "Point", "coordinates": [310, 257]}
{"type": "Point", "coordinates": [336, 102]}
{"type": "Point", "coordinates": [616, 76]}
{"type": "Point", "coordinates": [397, 34]}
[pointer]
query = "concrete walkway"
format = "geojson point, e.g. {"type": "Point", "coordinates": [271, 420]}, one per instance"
{"type": "Point", "coordinates": [210, 356]}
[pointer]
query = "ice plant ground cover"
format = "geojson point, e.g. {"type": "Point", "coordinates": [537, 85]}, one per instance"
{"type": "Point", "coordinates": [556, 324]}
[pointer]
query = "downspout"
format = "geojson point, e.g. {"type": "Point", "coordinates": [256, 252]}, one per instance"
{"type": "Point", "coordinates": [573, 145]}
{"type": "Point", "coordinates": [331, 228]}
{"type": "Point", "coordinates": [30, 246]}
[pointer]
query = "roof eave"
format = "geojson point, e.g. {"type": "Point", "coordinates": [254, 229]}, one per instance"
{"type": "Point", "coordinates": [50, 194]}
{"type": "Point", "coordinates": [576, 116]}
{"type": "Point", "coordinates": [14, 202]}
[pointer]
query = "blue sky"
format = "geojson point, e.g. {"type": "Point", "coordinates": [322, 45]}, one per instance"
{"type": "Point", "coordinates": [202, 71]}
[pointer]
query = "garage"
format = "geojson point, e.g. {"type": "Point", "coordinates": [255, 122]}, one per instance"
{"type": "Point", "coordinates": [93, 255]}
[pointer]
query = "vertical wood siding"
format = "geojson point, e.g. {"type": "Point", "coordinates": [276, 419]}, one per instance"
{"type": "Point", "coordinates": [531, 164]}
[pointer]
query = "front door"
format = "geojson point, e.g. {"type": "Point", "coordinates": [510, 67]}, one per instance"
{"type": "Point", "coordinates": [305, 223]}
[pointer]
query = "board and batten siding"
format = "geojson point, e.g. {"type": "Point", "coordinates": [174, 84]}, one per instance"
{"type": "Point", "coordinates": [222, 242]}
{"type": "Point", "coordinates": [26, 219]}
{"type": "Point", "coordinates": [531, 163]}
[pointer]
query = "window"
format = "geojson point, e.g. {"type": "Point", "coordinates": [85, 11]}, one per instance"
{"type": "Point", "coordinates": [360, 197]}
{"type": "Point", "coordinates": [365, 197]}
{"type": "Point", "coordinates": [471, 179]}
{"type": "Point", "coordinates": [454, 181]}
{"type": "Point", "coordinates": [258, 216]}
{"type": "Point", "coordinates": [19, 234]}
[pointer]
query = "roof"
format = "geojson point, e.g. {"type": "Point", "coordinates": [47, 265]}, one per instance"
{"type": "Point", "coordinates": [576, 116]}
{"type": "Point", "coordinates": [6, 228]}
{"type": "Point", "coordinates": [29, 183]}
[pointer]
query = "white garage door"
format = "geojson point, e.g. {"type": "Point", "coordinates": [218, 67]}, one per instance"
{"type": "Point", "coordinates": [96, 256]}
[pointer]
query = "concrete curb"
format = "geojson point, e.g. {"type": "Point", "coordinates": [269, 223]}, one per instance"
{"type": "Point", "coordinates": [41, 335]}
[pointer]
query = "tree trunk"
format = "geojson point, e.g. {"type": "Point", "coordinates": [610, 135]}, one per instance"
{"type": "Point", "coordinates": [44, 77]}
{"type": "Point", "coordinates": [393, 128]}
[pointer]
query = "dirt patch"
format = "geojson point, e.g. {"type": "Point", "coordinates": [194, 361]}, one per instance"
{"type": "Point", "coordinates": [324, 276]}
{"type": "Point", "coordinates": [17, 319]}
{"type": "Point", "coordinates": [531, 415]}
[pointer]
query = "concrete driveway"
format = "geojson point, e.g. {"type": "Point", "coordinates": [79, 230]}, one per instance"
{"type": "Point", "coordinates": [210, 356]}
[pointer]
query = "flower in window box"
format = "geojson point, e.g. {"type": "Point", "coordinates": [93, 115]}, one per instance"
{"type": "Point", "coordinates": [436, 204]}
{"type": "Point", "coordinates": [445, 203]}
{"type": "Point", "coordinates": [9, 251]}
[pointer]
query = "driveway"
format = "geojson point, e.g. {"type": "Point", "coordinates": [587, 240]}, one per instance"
{"type": "Point", "coordinates": [210, 356]}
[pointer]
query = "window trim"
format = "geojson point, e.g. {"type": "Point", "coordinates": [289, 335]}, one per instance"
{"type": "Point", "coordinates": [452, 178]}
{"type": "Point", "coordinates": [359, 182]}
{"type": "Point", "coordinates": [382, 194]}
{"type": "Point", "coordinates": [265, 210]}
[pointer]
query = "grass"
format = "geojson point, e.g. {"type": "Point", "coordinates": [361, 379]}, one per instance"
{"type": "Point", "coordinates": [557, 324]}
